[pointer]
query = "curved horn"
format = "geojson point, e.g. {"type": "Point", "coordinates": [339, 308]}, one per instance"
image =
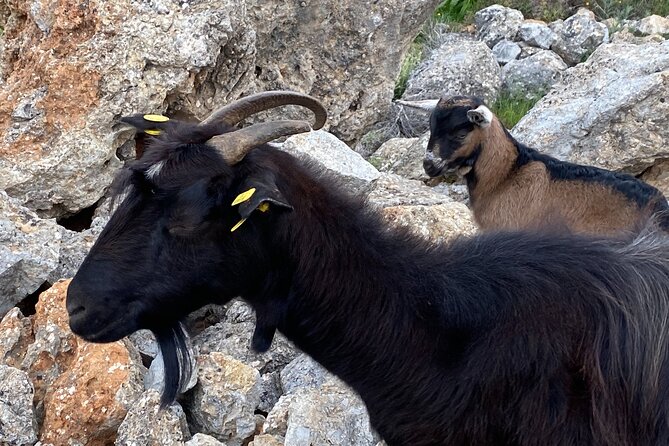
{"type": "Point", "coordinates": [427, 105]}
{"type": "Point", "coordinates": [233, 145]}
{"type": "Point", "coordinates": [240, 109]}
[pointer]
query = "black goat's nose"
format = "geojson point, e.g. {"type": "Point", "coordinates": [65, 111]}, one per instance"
{"type": "Point", "coordinates": [73, 311]}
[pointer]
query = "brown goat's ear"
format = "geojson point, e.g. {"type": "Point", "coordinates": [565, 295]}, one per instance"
{"type": "Point", "coordinates": [481, 116]}
{"type": "Point", "coordinates": [258, 194]}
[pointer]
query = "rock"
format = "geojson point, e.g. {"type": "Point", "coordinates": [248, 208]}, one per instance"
{"type": "Point", "coordinates": [73, 249]}
{"type": "Point", "coordinates": [627, 36]}
{"type": "Point", "coordinates": [330, 414]}
{"type": "Point", "coordinates": [234, 339]}
{"type": "Point", "coordinates": [68, 73]}
{"type": "Point", "coordinates": [496, 23]}
{"type": "Point", "coordinates": [653, 24]}
{"type": "Point", "coordinates": [29, 251]}
{"type": "Point", "coordinates": [534, 75]}
{"type": "Point", "coordinates": [266, 440]}
{"type": "Point", "coordinates": [17, 418]}
{"type": "Point", "coordinates": [438, 223]}
{"type": "Point", "coordinates": [537, 33]}
{"type": "Point", "coordinates": [303, 372]}
{"type": "Point", "coordinates": [155, 378]}
{"type": "Point", "coordinates": [609, 112]}
{"type": "Point", "coordinates": [145, 343]}
{"type": "Point", "coordinates": [578, 36]}
{"type": "Point", "coordinates": [460, 66]}
{"type": "Point", "coordinates": [505, 51]}
{"type": "Point", "coordinates": [222, 403]}
{"type": "Point", "coordinates": [346, 53]}
{"type": "Point", "coordinates": [332, 156]}
{"type": "Point", "coordinates": [527, 50]}
{"type": "Point", "coordinates": [270, 391]}
{"type": "Point", "coordinates": [204, 440]}
{"type": "Point", "coordinates": [402, 156]}
{"type": "Point", "coordinates": [393, 190]}
{"type": "Point", "coordinates": [16, 334]}
{"type": "Point", "coordinates": [147, 425]}
{"type": "Point", "coordinates": [658, 176]}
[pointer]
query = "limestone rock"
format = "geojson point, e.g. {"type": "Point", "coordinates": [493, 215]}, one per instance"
{"type": "Point", "coordinates": [329, 414]}
{"type": "Point", "coordinates": [533, 75]}
{"type": "Point", "coordinates": [578, 36]}
{"type": "Point", "coordinates": [505, 51]}
{"type": "Point", "coordinates": [16, 335]}
{"type": "Point", "coordinates": [147, 425]}
{"type": "Point", "coordinates": [537, 33]}
{"type": "Point", "coordinates": [611, 111]}
{"type": "Point", "coordinates": [222, 403]}
{"type": "Point", "coordinates": [653, 24]}
{"type": "Point", "coordinates": [333, 156]}
{"type": "Point", "coordinates": [303, 372]}
{"type": "Point", "coordinates": [438, 223]}
{"type": "Point", "coordinates": [402, 156]}
{"type": "Point", "coordinates": [270, 390]}
{"type": "Point", "coordinates": [460, 66]}
{"type": "Point", "coordinates": [29, 251]}
{"type": "Point", "coordinates": [17, 418]}
{"type": "Point", "coordinates": [204, 440]}
{"type": "Point", "coordinates": [658, 176]}
{"type": "Point", "coordinates": [393, 190]}
{"type": "Point", "coordinates": [496, 23]}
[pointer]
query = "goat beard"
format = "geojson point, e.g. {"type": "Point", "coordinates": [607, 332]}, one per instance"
{"type": "Point", "coordinates": [178, 361]}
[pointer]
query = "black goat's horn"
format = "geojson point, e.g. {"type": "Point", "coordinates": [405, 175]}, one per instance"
{"type": "Point", "coordinates": [240, 109]}
{"type": "Point", "coordinates": [233, 146]}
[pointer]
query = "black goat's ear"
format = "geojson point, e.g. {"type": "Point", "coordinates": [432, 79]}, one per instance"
{"type": "Point", "coordinates": [259, 193]}
{"type": "Point", "coordinates": [149, 124]}
{"type": "Point", "coordinates": [481, 116]}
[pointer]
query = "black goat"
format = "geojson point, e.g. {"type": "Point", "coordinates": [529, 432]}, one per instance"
{"type": "Point", "coordinates": [512, 186]}
{"type": "Point", "coordinates": [500, 339]}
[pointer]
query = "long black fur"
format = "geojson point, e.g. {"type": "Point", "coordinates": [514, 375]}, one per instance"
{"type": "Point", "coordinates": [499, 339]}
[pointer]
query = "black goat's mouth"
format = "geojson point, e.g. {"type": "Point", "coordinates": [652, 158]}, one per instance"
{"type": "Point", "coordinates": [435, 168]}
{"type": "Point", "coordinates": [94, 330]}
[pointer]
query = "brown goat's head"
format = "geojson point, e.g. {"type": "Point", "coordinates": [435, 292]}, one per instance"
{"type": "Point", "coordinates": [457, 124]}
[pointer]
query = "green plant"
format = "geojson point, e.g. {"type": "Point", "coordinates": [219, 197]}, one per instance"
{"type": "Point", "coordinates": [456, 10]}
{"type": "Point", "coordinates": [511, 107]}
{"type": "Point", "coordinates": [411, 60]}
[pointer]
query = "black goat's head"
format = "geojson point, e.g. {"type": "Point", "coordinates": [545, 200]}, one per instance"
{"type": "Point", "coordinates": [457, 124]}
{"type": "Point", "coordinates": [168, 249]}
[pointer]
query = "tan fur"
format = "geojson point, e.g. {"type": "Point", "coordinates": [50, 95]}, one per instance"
{"type": "Point", "coordinates": [528, 198]}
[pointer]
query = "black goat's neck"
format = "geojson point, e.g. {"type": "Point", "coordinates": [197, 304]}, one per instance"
{"type": "Point", "coordinates": [495, 161]}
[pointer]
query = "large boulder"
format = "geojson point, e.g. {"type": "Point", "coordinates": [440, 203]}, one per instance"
{"type": "Point", "coordinates": [460, 66]}
{"type": "Point", "coordinates": [496, 23]}
{"type": "Point", "coordinates": [578, 36]}
{"type": "Point", "coordinates": [17, 416]}
{"type": "Point", "coordinates": [537, 33]}
{"type": "Point", "coordinates": [533, 75]}
{"type": "Point", "coordinates": [69, 72]}
{"type": "Point", "coordinates": [612, 111]}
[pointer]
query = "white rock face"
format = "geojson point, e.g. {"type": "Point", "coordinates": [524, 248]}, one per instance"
{"type": "Point", "coordinates": [17, 418]}
{"type": "Point", "coordinates": [578, 36]}
{"type": "Point", "coordinates": [496, 23]}
{"type": "Point", "coordinates": [612, 111]}
{"type": "Point", "coordinates": [537, 33]}
{"type": "Point", "coordinates": [653, 24]}
{"type": "Point", "coordinates": [505, 51]}
{"type": "Point", "coordinates": [533, 75]}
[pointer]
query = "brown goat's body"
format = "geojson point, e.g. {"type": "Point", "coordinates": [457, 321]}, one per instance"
{"type": "Point", "coordinates": [515, 187]}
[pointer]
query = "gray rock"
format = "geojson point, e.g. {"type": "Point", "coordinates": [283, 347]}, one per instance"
{"type": "Point", "coordinates": [147, 425]}
{"type": "Point", "coordinates": [155, 377]}
{"type": "Point", "coordinates": [145, 342]}
{"type": "Point", "coordinates": [329, 414]}
{"type": "Point", "coordinates": [496, 23]}
{"type": "Point", "coordinates": [270, 391]}
{"type": "Point", "coordinates": [505, 51]}
{"type": "Point", "coordinates": [303, 372]}
{"type": "Point", "coordinates": [402, 156]}
{"type": "Point", "coordinates": [537, 33]}
{"type": "Point", "coordinates": [223, 402]}
{"type": "Point", "coordinates": [611, 111]}
{"type": "Point", "coordinates": [17, 418]}
{"type": "Point", "coordinates": [527, 50]}
{"type": "Point", "coordinates": [29, 251]}
{"type": "Point", "coordinates": [653, 24]}
{"type": "Point", "coordinates": [393, 190]}
{"type": "Point", "coordinates": [203, 440]}
{"type": "Point", "coordinates": [533, 75]}
{"type": "Point", "coordinates": [460, 66]}
{"type": "Point", "coordinates": [333, 156]}
{"type": "Point", "coordinates": [438, 223]}
{"type": "Point", "coordinates": [578, 36]}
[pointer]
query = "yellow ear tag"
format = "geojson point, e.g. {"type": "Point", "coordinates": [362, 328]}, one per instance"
{"type": "Point", "coordinates": [156, 118]}
{"type": "Point", "coordinates": [244, 196]}
{"type": "Point", "coordinates": [152, 132]}
{"type": "Point", "coordinates": [235, 227]}
{"type": "Point", "coordinates": [263, 207]}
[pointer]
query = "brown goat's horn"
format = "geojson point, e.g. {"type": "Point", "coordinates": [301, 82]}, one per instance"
{"type": "Point", "coordinates": [234, 145]}
{"type": "Point", "coordinates": [427, 105]}
{"type": "Point", "coordinates": [236, 111]}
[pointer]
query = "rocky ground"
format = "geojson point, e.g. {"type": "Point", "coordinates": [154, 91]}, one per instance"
{"type": "Point", "coordinates": [67, 73]}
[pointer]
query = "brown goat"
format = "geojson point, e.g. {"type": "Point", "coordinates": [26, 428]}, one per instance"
{"type": "Point", "coordinates": [512, 186]}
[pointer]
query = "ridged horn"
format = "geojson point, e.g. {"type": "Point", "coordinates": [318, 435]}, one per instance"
{"type": "Point", "coordinates": [427, 105]}
{"type": "Point", "coordinates": [233, 146]}
{"type": "Point", "coordinates": [240, 109]}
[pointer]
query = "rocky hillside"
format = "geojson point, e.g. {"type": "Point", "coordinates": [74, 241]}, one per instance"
{"type": "Point", "coordinates": [70, 69]}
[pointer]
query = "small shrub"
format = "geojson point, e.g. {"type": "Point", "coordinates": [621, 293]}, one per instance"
{"type": "Point", "coordinates": [511, 107]}
{"type": "Point", "coordinates": [411, 60]}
